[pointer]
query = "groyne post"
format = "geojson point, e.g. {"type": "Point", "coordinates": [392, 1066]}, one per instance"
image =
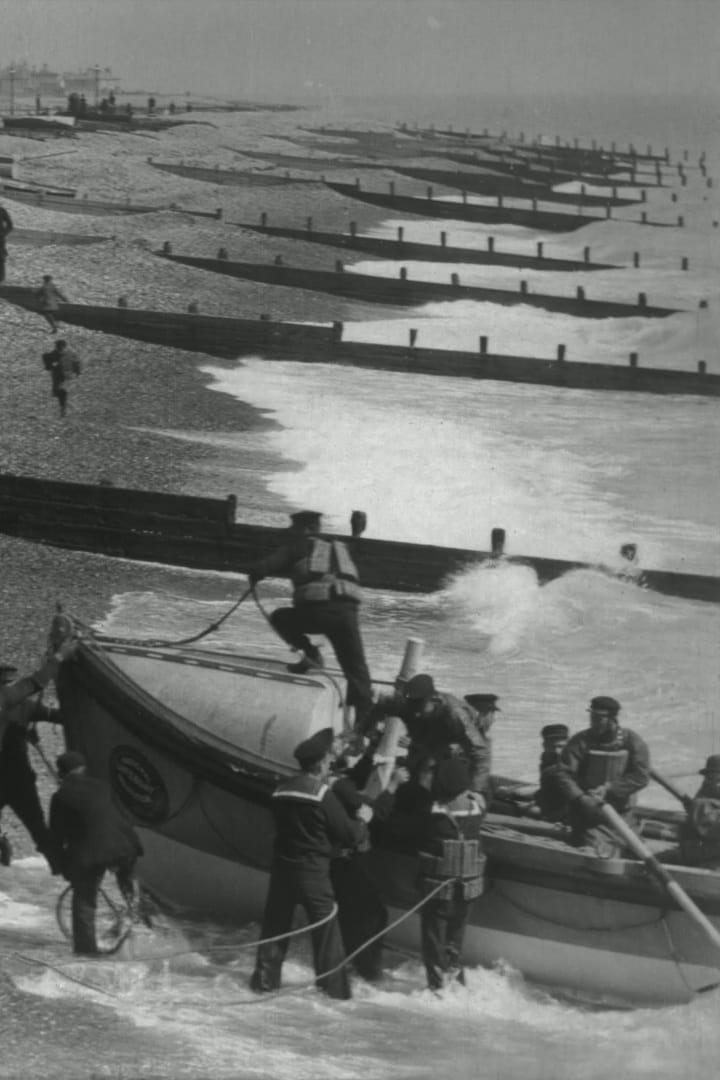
{"type": "Point", "coordinates": [443, 239]}
{"type": "Point", "coordinates": [497, 543]}
{"type": "Point", "coordinates": [483, 345]}
{"type": "Point", "coordinates": [491, 243]}
{"type": "Point", "coordinates": [636, 259]}
{"type": "Point", "coordinates": [642, 299]}
{"type": "Point", "coordinates": [353, 228]}
{"type": "Point", "coordinates": [561, 354]}
{"type": "Point", "coordinates": [633, 359]}
{"type": "Point", "coordinates": [412, 337]}
{"type": "Point", "coordinates": [263, 219]}
{"type": "Point", "coordinates": [400, 234]}
{"type": "Point", "coordinates": [539, 249]}
{"type": "Point", "coordinates": [339, 266]}
{"type": "Point", "coordinates": [586, 254]}
{"type": "Point", "coordinates": [580, 293]}
{"type": "Point", "coordinates": [403, 273]}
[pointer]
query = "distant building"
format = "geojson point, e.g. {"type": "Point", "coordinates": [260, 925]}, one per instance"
{"type": "Point", "coordinates": [32, 81]}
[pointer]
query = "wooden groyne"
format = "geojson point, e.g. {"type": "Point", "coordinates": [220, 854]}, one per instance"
{"type": "Point", "coordinates": [400, 248]}
{"type": "Point", "coordinates": [544, 220]}
{"type": "Point", "coordinates": [229, 177]}
{"type": "Point", "coordinates": [96, 207]}
{"type": "Point", "coordinates": [404, 291]}
{"type": "Point", "coordinates": [43, 237]}
{"type": "Point", "coordinates": [201, 533]}
{"type": "Point", "coordinates": [512, 189]}
{"type": "Point", "coordinates": [310, 164]}
{"type": "Point", "coordinates": [309, 344]}
{"type": "Point", "coordinates": [551, 176]}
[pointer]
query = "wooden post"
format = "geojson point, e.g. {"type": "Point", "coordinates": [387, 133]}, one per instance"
{"type": "Point", "coordinates": [580, 293]}
{"type": "Point", "coordinates": [219, 213]}
{"type": "Point", "coordinates": [167, 248]}
{"type": "Point", "coordinates": [464, 196]}
{"type": "Point", "coordinates": [561, 354]}
{"type": "Point", "coordinates": [391, 187]}
{"type": "Point", "coordinates": [642, 299]}
{"type": "Point", "coordinates": [636, 259]}
{"type": "Point", "coordinates": [523, 287]}
{"type": "Point", "coordinates": [633, 359]}
{"type": "Point", "coordinates": [643, 217]}
{"type": "Point", "coordinates": [278, 260]}
{"type": "Point", "coordinates": [643, 195]}
{"type": "Point", "coordinates": [403, 273]}
{"type": "Point", "coordinates": [353, 228]}
{"type": "Point", "coordinates": [308, 224]}
{"type": "Point", "coordinates": [222, 254]}
{"type": "Point", "coordinates": [681, 221]}
{"type": "Point", "coordinates": [586, 254]}
{"type": "Point", "coordinates": [122, 302]}
{"type": "Point", "coordinates": [338, 331]}
{"type": "Point", "coordinates": [539, 249]}
{"type": "Point", "coordinates": [339, 266]}
{"type": "Point", "coordinates": [685, 263]}
{"type": "Point", "coordinates": [491, 243]}
{"type": "Point", "coordinates": [443, 239]}
{"type": "Point", "coordinates": [193, 307]}
{"type": "Point", "coordinates": [702, 367]}
{"type": "Point", "coordinates": [483, 345]}
{"type": "Point", "coordinates": [455, 280]}
{"type": "Point", "coordinates": [430, 193]}
{"type": "Point", "coordinates": [499, 199]}
{"type": "Point", "coordinates": [263, 219]}
{"type": "Point", "coordinates": [412, 337]}
{"type": "Point", "coordinates": [497, 543]}
{"type": "Point", "coordinates": [400, 234]}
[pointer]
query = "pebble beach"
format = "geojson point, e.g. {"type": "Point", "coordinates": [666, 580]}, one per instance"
{"type": "Point", "coordinates": [135, 408]}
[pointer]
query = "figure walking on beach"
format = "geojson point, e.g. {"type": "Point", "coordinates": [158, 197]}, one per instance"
{"type": "Point", "coordinates": [5, 230]}
{"type": "Point", "coordinates": [64, 366]}
{"type": "Point", "coordinates": [49, 296]}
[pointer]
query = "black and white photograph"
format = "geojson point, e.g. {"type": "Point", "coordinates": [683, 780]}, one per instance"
{"type": "Point", "coordinates": [359, 539]}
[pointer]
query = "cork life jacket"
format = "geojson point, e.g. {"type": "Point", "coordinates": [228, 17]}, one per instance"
{"type": "Point", "coordinates": [326, 573]}
{"type": "Point", "coordinates": [605, 763]}
{"type": "Point", "coordinates": [459, 861]}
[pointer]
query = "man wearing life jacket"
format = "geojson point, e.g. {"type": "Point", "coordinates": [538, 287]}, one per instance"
{"type": "Point", "coordinates": [700, 833]}
{"type": "Point", "coordinates": [326, 599]}
{"type": "Point", "coordinates": [311, 825]}
{"type": "Point", "coordinates": [603, 763]}
{"type": "Point", "coordinates": [451, 871]}
{"type": "Point", "coordinates": [440, 725]}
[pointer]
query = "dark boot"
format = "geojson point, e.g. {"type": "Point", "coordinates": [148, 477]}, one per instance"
{"type": "Point", "coordinates": [311, 659]}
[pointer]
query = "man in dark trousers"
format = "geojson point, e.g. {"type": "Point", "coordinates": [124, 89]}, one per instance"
{"type": "Point", "coordinates": [92, 836]}
{"type": "Point", "coordinates": [6, 226]}
{"type": "Point", "coordinates": [326, 599]}
{"type": "Point", "coordinates": [18, 788]}
{"type": "Point", "coordinates": [604, 763]}
{"type": "Point", "coordinates": [310, 823]}
{"type": "Point", "coordinates": [450, 853]}
{"type": "Point", "coordinates": [64, 366]}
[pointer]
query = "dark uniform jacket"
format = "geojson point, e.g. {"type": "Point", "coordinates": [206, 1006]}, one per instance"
{"type": "Point", "coordinates": [700, 834]}
{"type": "Point", "coordinates": [87, 826]}
{"type": "Point", "coordinates": [14, 763]}
{"type": "Point", "coordinates": [13, 693]}
{"type": "Point", "coordinates": [571, 772]}
{"type": "Point", "coordinates": [453, 727]}
{"type": "Point", "coordinates": [311, 823]}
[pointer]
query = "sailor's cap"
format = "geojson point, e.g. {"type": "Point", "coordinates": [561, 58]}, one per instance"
{"type": "Point", "coordinates": [483, 703]}
{"type": "Point", "coordinates": [604, 705]}
{"type": "Point", "coordinates": [315, 748]}
{"type": "Point", "coordinates": [419, 687]}
{"type": "Point", "coordinates": [555, 731]}
{"type": "Point", "coordinates": [71, 759]}
{"type": "Point", "coordinates": [712, 765]}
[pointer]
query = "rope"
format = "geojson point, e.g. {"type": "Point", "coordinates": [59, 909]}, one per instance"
{"type": "Point", "coordinates": [158, 643]}
{"type": "Point", "coordinates": [118, 912]}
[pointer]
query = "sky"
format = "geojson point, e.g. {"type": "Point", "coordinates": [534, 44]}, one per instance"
{"type": "Point", "coordinates": [319, 49]}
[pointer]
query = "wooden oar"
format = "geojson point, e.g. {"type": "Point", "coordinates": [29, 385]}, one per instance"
{"type": "Point", "coordinates": [658, 871]}
{"type": "Point", "coordinates": [663, 782]}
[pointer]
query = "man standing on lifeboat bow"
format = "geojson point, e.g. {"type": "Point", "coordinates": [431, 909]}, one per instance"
{"type": "Point", "coordinates": [326, 599]}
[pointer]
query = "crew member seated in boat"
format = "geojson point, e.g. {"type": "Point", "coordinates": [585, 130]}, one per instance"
{"type": "Point", "coordinates": [361, 913]}
{"type": "Point", "coordinates": [549, 799]}
{"type": "Point", "coordinates": [326, 600]}
{"type": "Point", "coordinates": [92, 837]}
{"type": "Point", "coordinates": [310, 824]}
{"type": "Point", "coordinates": [450, 853]}
{"type": "Point", "coordinates": [700, 833]}
{"type": "Point", "coordinates": [20, 710]}
{"type": "Point", "coordinates": [441, 725]}
{"type": "Point", "coordinates": [605, 762]}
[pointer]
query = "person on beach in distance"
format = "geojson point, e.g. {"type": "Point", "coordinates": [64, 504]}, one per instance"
{"type": "Point", "coordinates": [326, 600]}
{"type": "Point", "coordinates": [49, 296]}
{"type": "Point", "coordinates": [64, 366]}
{"type": "Point", "coordinates": [20, 709]}
{"type": "Point", "coordinates": [92, 837]}
{"type": "Point", "coordinates": [604, 763]}
{"type": "Point", "coordinates": [6, 226]}
{"type": "Point", "coordinates": [310, 824]}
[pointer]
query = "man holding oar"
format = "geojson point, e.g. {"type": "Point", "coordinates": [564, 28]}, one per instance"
{"type": "Point", "coordinates": [605, 763]}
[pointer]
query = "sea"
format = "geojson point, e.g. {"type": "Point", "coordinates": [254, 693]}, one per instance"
{"type": "Point", "coordinates": [568, 474]}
